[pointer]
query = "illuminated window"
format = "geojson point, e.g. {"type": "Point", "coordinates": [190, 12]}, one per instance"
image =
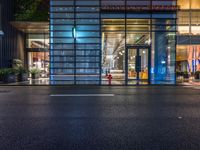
{"type": "Point", "coordinates": [184, 4]}
{"type": "Point", "coordinates": [195, 4]}
{"type": "Point", "coordinates": [195, 30]}
{"type": "Point", "coordinates": [183, 18]}
{"type": "Point", "coordinates": [195, 17]}
{"type": "Point", "coordinates": [183, 29]}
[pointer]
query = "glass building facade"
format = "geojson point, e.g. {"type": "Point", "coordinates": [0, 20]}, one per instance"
{"type": "Point", "coordinates": [133, 40]}
{"type": "Point", "coordinates": [188, 39]}
{"type": "Point", "coordinates": [37, 51]}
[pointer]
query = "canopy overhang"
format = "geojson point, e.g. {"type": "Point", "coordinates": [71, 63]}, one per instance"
{"type": "Point", "coordinates": [31, 27]}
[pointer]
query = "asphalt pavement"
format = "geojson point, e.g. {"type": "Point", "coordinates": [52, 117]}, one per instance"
{"type": "Point", "coordinates": [99, 118]}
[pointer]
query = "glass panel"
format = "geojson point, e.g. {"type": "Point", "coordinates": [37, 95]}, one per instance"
{"type": "Point", "coordinates": [143, 53]}
{"type": "Point", "coordinates": [113, 57]}
{"type": "Point", "coordinates": [75, 55]}
{"type": "Point", "coordinates": [138, 61]}
{"type": "Point", "coordinates": [36, 41]}
{"type": "Point", "coordinates": [138, 31]}
{"type": "Point", "coordinates": [132, 54]}
{"type": "Point", "coordinates": [39, 60]}
{"type": "Point", "coordinates": [183, 18]}
{"type": "Point", "coordinates": [138, 38]}
{"type": "Point", "coordinates": [184, 4]}
{"type": "Point", "coordinates": [195, 4]}
{"type": "Point", "coordinates": [183, 29]}
{"type": "Point", "coordinates": [113, 50]}
{"type": "Point", "coordinates": [195, 30]}
{"type": "Point", "coordinates": [163, 58]}
{"type": "Point", "coordinates": [188, 58]}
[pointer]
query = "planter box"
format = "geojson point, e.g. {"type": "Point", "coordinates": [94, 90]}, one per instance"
{"type": "Point", "coordinates": [23, 77]}
{"type": "Point", "coordinates": [197, 76]}
{"type": "Point", "coordinates": [186, 76]}
{"type": "Point", "coordinates": [35, 76]}
{"type": "Point", "coordinates": [9, 78]}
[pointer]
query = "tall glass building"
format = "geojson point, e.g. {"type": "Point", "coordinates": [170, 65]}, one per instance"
{"type": "Point", "coordinates": [133, 40]}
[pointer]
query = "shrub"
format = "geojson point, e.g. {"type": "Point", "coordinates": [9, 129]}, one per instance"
{"type": "Point", "coordinates": [34, 71]}
{"type": "Point", "coordinates": [197, 75]}
{"type": "Point", "coordinates": [8, 75]}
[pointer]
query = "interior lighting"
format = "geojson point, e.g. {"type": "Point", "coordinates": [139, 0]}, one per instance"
{"type": "Point", "coordinates": [163, 62]}
{"type": "Point", "coordinates": [74, 32]}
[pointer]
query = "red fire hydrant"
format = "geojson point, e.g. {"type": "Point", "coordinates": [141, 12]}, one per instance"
{"type": "Point", "coordinates": [109, 79]}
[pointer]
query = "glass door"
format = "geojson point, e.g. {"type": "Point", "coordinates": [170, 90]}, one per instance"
{"type": "Point", "coordinates": [138, 65]}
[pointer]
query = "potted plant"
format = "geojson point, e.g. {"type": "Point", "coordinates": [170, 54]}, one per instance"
{"type": "Point", "coordinates": [179, 73]}
{"type": "Point", "coordinates": [197, 75]}
{"type": "Point", "coordinates": [1, 74]}
{"type": "Point", "coordinates": [186, 75]}
{"type": "Point", "coordinates": [34, 73]}
{"type": "Point", "coordinates": [22, 74]}
{"type": "Point", "coordinates": [9, 75]}
{"type": "Point", "coordinates": [16, 63]}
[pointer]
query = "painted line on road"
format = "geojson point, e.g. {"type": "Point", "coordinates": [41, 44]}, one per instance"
{"type": "Point", "coordinates": [82, 95]}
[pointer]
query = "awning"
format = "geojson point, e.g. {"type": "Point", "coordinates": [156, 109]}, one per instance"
{"type": "Point", "coordinates": [31, 27]}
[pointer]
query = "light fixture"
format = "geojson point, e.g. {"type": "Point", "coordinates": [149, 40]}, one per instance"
{"type": "Point", "coordinates": [1, 33]}
{"type": "Point", "coordinates": [74, 32]}
{"type": "Point", "coordinates": [163, 62]}
{"type": "Point", "coordinates": [148, 42]}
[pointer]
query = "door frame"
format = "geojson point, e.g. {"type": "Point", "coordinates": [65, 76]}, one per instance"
{"type": "Point", "coordinates": [137, 47]}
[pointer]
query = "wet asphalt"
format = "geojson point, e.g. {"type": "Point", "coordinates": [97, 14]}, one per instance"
{"type": "Point", "coordinates": [123, 118]}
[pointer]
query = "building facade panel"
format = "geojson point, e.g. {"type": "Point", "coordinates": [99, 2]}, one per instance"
{"type": "Point", "coordinates": [75, 42]}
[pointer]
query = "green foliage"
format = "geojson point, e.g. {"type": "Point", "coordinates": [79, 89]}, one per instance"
{"type": "Point", "coordinates": [197, 72]}
{"type": "Point", "coordinates": [21, 70]}
{"type": "Point", "coordinates": [179, 73]}
{"type": "Point", "coordinates": [17, 63]}
{"type": "Point", "coordinates": [197, 75]}
{"type": "Point", "coordinates": [34, 71]}
{"type": "Point", "coordinates": [28, 10]}
{"type": "Point", "coordinates": [7, 71]}
{"type": "Point", "coordinates": [1, 74]}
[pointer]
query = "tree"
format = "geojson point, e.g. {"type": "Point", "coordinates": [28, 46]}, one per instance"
{"type": "Point", "coordinates": [30, 10]}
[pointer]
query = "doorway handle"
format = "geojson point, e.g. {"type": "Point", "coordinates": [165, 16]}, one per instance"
{"type": "Point", "coordinates": [138, 63]}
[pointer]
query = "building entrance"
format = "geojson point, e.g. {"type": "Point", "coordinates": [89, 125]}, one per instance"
{"type": "Point", "coordinates": [137, 65]}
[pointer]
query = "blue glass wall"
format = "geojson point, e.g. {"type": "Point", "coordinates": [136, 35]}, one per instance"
{"type": "Point", "coordinates": [163, 44]}
{"type": "Point", "coordinates": [75, 41]}
{"type": "Point", "coordinates": [80, 30]}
